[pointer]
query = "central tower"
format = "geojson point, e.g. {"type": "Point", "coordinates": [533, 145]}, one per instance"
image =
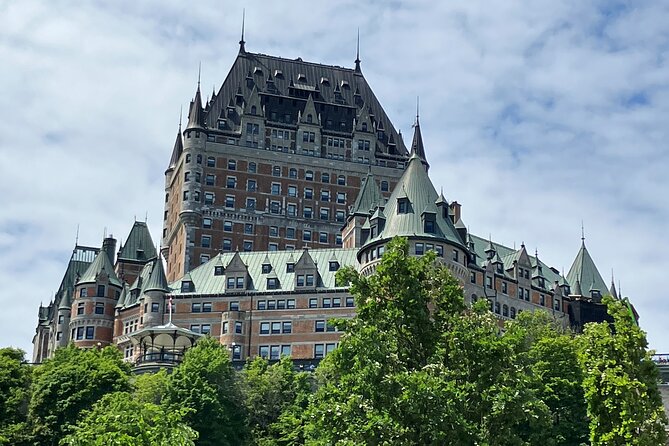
{"type": "Point", "coordinates": [274, 159]}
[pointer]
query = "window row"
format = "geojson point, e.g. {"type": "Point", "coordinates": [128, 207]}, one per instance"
{"type": "Point", "coordinates": [320, 350]}
{"type": "Point", "coordinates": [237, 326]}
{"type": "Point", "coordinates": [81, 333]}
{"type": "Point", "coordinates": [276, 304]}
{"type": "Point", "coordinates": [201, 328]}
{"type": "Point", "coordinates": [277, 327]}
{"type": "Point", "coordinates": [273, 352]}
{"type": "Point", "coordinates": [330, 302]}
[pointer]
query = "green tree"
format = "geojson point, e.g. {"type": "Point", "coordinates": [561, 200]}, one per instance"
{"type": "Point", "coordinates": [121, 419]}
{"type": "Point", "coordinates": [151, 387]}
{"type": "Point", "coordinates": [416, 367]}
{"type": "Point", "coordinates": [15, 377]}
{"type": "Point", "coordinates": [206, 383]}
{"type": "Point", "coordinates": [72, 381]}
{"type": "Point", "coordinates": [620, 382]}
{"type": "Point", "coordinates": [552, 354]}
{"type": "Point", "coordinates": [273, 394]}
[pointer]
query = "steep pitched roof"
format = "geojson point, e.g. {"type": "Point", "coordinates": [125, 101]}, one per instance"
{"type": "Point", "coordinates": [335, 90]}
{"type": "Point", "coordinates": [138, 246]}
{"type": "Point", "coordinates": [80, 260]}
{"type": "Point", "coordinates": [101, 264]}
{"type": "Point", "coordinates": [157, 280]}
{"type": "Point", "coordinates": [584, 270]}
{"type": "Point", "coordinates": [177, 150]}
{"type": "Point", "coordinates": [417, 146]}
{"type": "Point", "coordinates": [368, 197]}
{"type": "Point", "coordinates": [416, 187]}
{"type": "Point", "coordinates": [195, 113]}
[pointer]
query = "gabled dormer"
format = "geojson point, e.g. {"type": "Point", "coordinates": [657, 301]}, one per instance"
{"type": "Point", "coordinates": [377, 222]}
{"type": "Point", "coordinates": [429, 220]}
{"type": "Point", "coordinates": [306, 272]}
{"type": "Point", "coordinates": [236, 274]}
{"type": "Point", "coordinates": [187, 284]}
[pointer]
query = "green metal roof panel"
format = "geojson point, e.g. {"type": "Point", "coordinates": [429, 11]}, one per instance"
{"type": "Point", "coordinates": [100, 264]}
{"type": "Point", "coordinates": [139, 245]}
{"type": "Point", "coordinates": [415, 185]}
{"type": "Point", "coordinates": [368, 197]}
{"type": "Point", "coordinates": [586, 272]}
{"type": "Point", "coordinates": [205, 282]}
{"type": "Point", "coordinates": [157, 280]}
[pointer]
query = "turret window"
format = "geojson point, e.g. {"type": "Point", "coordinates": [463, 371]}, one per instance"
{"type": "Point", "coordinates": [99, 308]}
{"type": "Point", "coordinates": [341, 180]}
{"type": "Point", "coordinates": [292, 173]}
{"type": "Point", "coordinates": [187, 158]}
{"type": "Point", "coordinates": [83, 292]}
{"type": "Point", "coordinates": [61, 319]}
{"type": "Point", "coordinates": [155, 307]}
{"type": "Point", "coordinates": [504, 288]}
{"type": "Point", "coordinates": [402, 205]}
{"type": "Point", "coordinates": [101, 291]}
{"type": "Point", "coordinates": [90, 332]}
{"type": "Point", "coordinates": [199, 159]}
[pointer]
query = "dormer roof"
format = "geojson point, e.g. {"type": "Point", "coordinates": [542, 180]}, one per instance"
{"type": "Point", "coordinates": [138, 246]}
{"type": "Point", "coordinates": [585, 272]}
{"type": "Point", "coordinates": [101, 265]}
{"type": "Point", "coordinates": [157, 280]}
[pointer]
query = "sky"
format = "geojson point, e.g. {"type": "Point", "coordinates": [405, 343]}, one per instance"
{"type": "Point", "coordinates": [536, 116]}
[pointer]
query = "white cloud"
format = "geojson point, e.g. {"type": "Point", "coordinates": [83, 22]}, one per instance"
{"type": "Point", "coordinates": [535, 116]}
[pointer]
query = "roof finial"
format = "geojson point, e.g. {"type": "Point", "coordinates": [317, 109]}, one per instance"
{"type": "Point", "coordinates": [417, 108]}
{"type": "Point", "coordinates": [76, 237]}
{"type": "Point", "coordinates": [242, 49]}
{"type": "Point", "coordinates": [582, 232]}
{"type": "Point", "coordinates": [357, 53]}
{"type": "Point", "coordinates": [199, 72]}
{"type": "Point", "coordinates": [181, 111]}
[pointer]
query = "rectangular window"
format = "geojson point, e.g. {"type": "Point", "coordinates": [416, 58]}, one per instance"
{"type": "Point", "coordinates": [80, 308]}
{"type": "Point", "coordinates": [271, 305]}
{"type": "Point", "coordinates": [420, 249]}
{"type": "Point", "coordinates": [306, 235]}
{"type": "Point", "coordinates": [308, 193]}
{"type": "Point", "coordinates": [155, 307]}
{"type": "Point", "coordinates": [252, 167]}
{"type": "Point", "coordinates": [229, 201]}
{"type": "Point", "coordinates": [350, 302]}
{"type": "Point", "coordinates": [240, 282]}
{"type": "Point", "coordinates": [227, 244]}
{"type": "Point", "coordinates": [319, 326]}
{"type": "Point", "coordinates": [251, 204]}
{"type": "Point", "coordinates": [263, 351]}
{"type": "Point", "coordinates": [206, 223]}
{"type": "Point", "coordinates": [210, 179]}
{"type": "Point", "coordinates": [234, 305]}
{"type": "Point", "coordinates": [99, 308]}
{"type": "Point", "coordinates": [310, 280]}
{"type": "Point", "coordinates": [274, 351]}
{"type": "Point", "coordinates": [276, 189]}
{"type": "Point", "coordinates": [224, 327]}
{"type": "Point", "coordinates": [287, 327]}
{"type": "Point", "coordinates": [211, 161]}
{"type": "Point", "coordinates": [248, 228]}
{"type": "Point", "coordinates": [80, 333]}
{"type": "Point", "coordinates": [456, 255]}
{"type": "Point", "coordinates": [262, 305]}
{"type": "Point", "coordinates": [276, 328]}
{"type": "Point", "coordinates": [292, 191]}
{"type": "Point", "coordinates": [231, 182]}
{"type": "Point", "coordinates": [251, 185]}
{"type": "Point", "coordinates": [239, 327]}
{"type": "Point", "coordinates": [273, 231]}
{"type": "Point", "coordinates": [488, 282]}
{"type": "Point", "coordinates": [327, 302]}
{"type": "Point", "coordinates": [472, 277]}
{"type": "Point", "coordinates": [319, 350]}
{"type": "Point", "coordinates": [325, 214]}
{"type": "Point", "coordinates": [290, 304]}
{"type": "Point", "coordinates": [309, 175]}
{"type": "Point", "coordinates": [313, 302]}
{"type": "Point", "coordinates": [206, 329]}
{"type": "Point", "coordinates": [264, 328]}
{"type": "Point", "coordinates": [232, 165]}
{"type": "Point", "coordinates": [236, 352]}
{"type": "Point", "coordinates": [208, 198]}
{"type": "Point", "coordinates": [291, 210]}
{"type": "Point", "coordinates": [196, 307]}
{"type": "Point", "coordinates": [90, 332]}
{"type": "Point", "coordinates": [504, 288]}
{"type": "Point", "coordinates": [206, 241]}
{"type": "Point", "coordinates": [281, 304]}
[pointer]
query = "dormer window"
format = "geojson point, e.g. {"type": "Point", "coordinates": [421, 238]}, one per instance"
{"type": "Point", "coordinates": [83, 292]}
{"type": "Point", "coordinates": [500, 268]}
{"type": "Point", "coordinates": [364, 127]}
{"type": "Point", "coordinates": [254, 109]}
{"type": "Point", "coordinates": [290, 267]}
{"type": "Point", "coordinates": [542, 283]}
{"type": "Point", "coordinates": [310, 280]}
{"type": "Point", "coordinates": [309, 118]}
{"type": "Point", "coordinates": [334, 265]}
{"type": "Point", "coordinates": [101, 291]}
{"type": "Point", "coordinates": [301, 77]}
{"type": "Point", "coordinates": [402, 205]}
{"type": "Point", "coordinates": [218, 271]}
{"type": "Point", "coordinates": [266, 268]}
{"type": "Point", "coordinates": [325, 81]}
{"type": "Point", "coordinates": [272, 283]}
{"type": "Point", "coordinates": [278, 73]}
{"type": "Point", "coordinates": [429, 223]}
{"type": "Point", "coordinates": [258, 71]}
{"type": "Point", "coordinates": [140, 254]}
{"type": "Point", "coordinates": [187, 286]}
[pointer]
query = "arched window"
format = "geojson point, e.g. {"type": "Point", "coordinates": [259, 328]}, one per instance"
{"type": "Point", "coordinates": [364, 126]}
{"type": "Point", "coordinates": [253, 109]}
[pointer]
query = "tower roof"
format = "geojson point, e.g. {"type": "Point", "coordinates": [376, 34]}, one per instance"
{"type": "Point", "coordinates": [100, 265]}
{"type": "Point", "coordinates": [195, 112]}
{"type": "Point", "coordinates": [418, 195]}
{"type": "Point", "coordinates": [138, 246]}
{"type": "Point", "coordinates": [157, 280]}
{"type": "Point", "coordinates": [177, 150]}
{"type": "Point", "coordinates": [585, 272]}
{"type": "Point", "coordinates": [368, 197]}
{"type": "Point", "coordinates": [335, 90]}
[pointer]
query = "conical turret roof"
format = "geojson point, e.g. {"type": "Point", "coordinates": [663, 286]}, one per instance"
{"type": "Point", "coordinates": [195, 113]}
{"type": "Point", "coordinates": [157, 280]}
{"type": "Point", "coordinates": [101, 264]}
{"type": "Point", "coordinates": [138, 246]}
{"type": "Point", "coordinates": [368, 197]}
{"type": "Point", "coordinates": [585, 272]}
{"type": "Point", "coordinates": [416, 188]}
{"type": "Point", "coordinates": [177, 150]}
{"type": "Point", "coordinates": [417, 146]}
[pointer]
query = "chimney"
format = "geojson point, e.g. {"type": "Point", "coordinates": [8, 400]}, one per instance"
{"type": "Point", "coordinates": [109, 246]}
{"type": "Point", "coordinates": [455, 211]}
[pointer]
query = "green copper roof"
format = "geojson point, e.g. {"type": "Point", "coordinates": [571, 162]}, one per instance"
{"type": "Point", "coordinates": [138, 246]}
{"type": "Point", "coordinates": [508, 255]}
{"type": "Point", "coordinates": [584, 270]}
{"type": "Point", "coordinates": [100, 264]}
{"type": "Point", "coordinates": [416, 187]}
{"type": "Point", "coordinates": [368, 197]}
{"type": "Point", "coordinates": [205, 282]}
{"type": "Point", "coordinates": [157, 280]}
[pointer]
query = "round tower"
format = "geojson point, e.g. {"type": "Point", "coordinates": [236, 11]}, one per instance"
{"type": "Point", "coordinates": [92, 311]}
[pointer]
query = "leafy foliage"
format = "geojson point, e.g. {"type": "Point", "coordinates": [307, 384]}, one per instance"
{"type": "Point", "coordinates": [620, 382]}
{"type": "Point", "coordinates": [72, 381]}
{"type": "Point", "coordinates": [151, 387]}
{"type": "Point", "coordinates": [15, 377]}
{"type": "Point", "coordinates": [121, 419]}
{"type": "Point", "coordinates": [274, 395]}
{"type": "Point", "coordinates": [206, 383]}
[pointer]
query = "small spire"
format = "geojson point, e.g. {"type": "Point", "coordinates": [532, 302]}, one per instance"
{"type": "Point", "coordinates": [181, 111]}
{"type": "Point", "coordinates": [582, 232]}
{"type": "Point", "coordinates": [417, 108]}
{"type": "Point", "coordinates": [76, 237]}
{"type": "Point", "coordinates": [242, 48]}
{"type": "Point", "coordinates": [357, 54]}
{"type": "Point", "coordinates": [199, 73]}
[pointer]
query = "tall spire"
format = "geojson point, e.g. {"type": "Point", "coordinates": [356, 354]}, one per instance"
{"type": "Point", "coordinates": [242, 49]}
{"type": "Point", "coordinates": [357, 54]}
{"type": "Point", "coordinates": [417, 147]}
{"type": "Point", "coordinates": [195, 110]}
